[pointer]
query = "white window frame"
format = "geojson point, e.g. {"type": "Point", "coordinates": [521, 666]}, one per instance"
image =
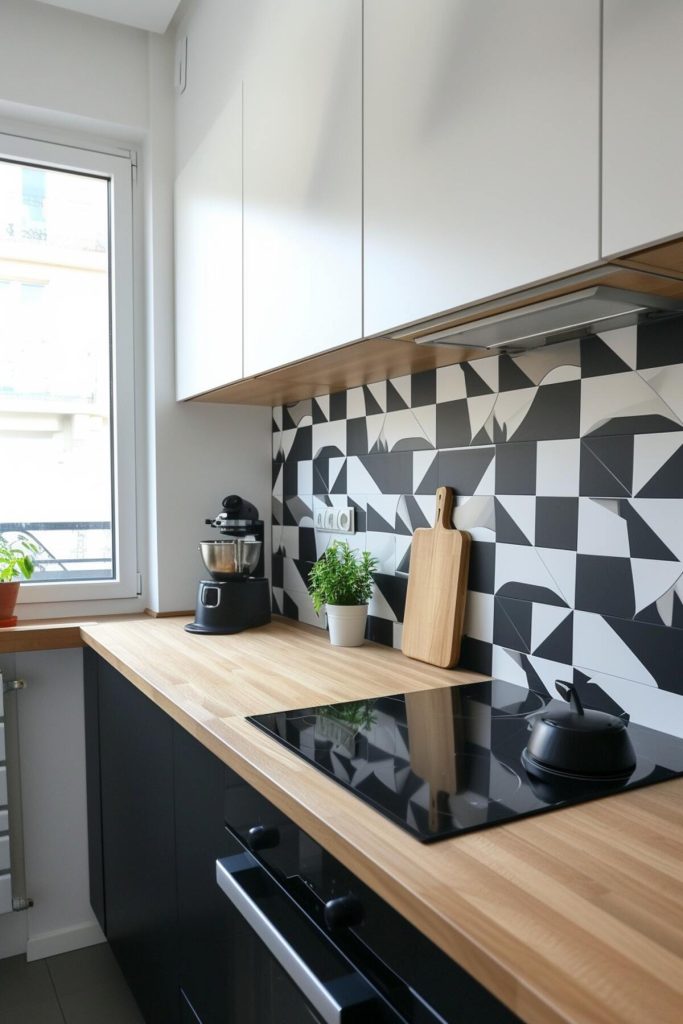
{"type": "Point", "coordinates": [118, 169]}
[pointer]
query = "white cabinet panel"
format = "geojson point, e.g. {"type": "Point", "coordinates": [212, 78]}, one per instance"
{"type": "Point", "coordinates": [4, 853]}
{"type": "Point", "coordinates": [481, 149]}
{"type": "Point", "coordinates": [642, 122]}
{"type": "Point", "coordinates": [302, 180]}
{"type": "Point", "coordinates": [208, 258]}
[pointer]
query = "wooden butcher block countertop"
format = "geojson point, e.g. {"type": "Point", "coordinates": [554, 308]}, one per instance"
{"type": "Point", "coordinates": [572, 916]}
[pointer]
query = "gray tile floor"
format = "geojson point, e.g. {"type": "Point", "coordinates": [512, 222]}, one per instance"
{"type": "Point", "coordinates": [83, 987]}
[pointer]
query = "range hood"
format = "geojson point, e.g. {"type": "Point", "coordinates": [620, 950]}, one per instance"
{"type": "Point", "coordinates": [573, 315]}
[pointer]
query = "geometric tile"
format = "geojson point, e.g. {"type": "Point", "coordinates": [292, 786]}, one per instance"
{"type": "Point", "coordinates": [479, 616]}
{"type": "Point", "coordinates": [557, 522]}
{"type": "Point", "coordinates": [652, 581]}
{"type": "Point", "coordinates": [598, 359]}
{"type": "Point", "coordinates": [659, 343]}
{"type": "Point", "coordinates": [667, 382]}
{"type": "Point", "coordinates": [516, 468]}
{"type": "Point", "coordinates": [512, 624]}
{"type": "Point", "coordinates": [561, 567]}
{"type": "Point", "coordinates": [601, 529]}
{"type": "Point", "coordinates": [321, 409]}
{"type": "Point", "coordinates": [643, 541]}
{"type": "Point", "coordinates": [510, 376]}
{"type": "Point", "coordinates": [482, 567]}
{"type": "Point", "coordinates": [659, 650]}
{"type": "Point", "coordinates": [606, 466]}
{"type": "Point", "coordinates": [657, 479]}
{"type": "Point", "coordinates": [605, 585]}
{"type": "Point", "coordinates": [463, 468]}
{"type": "Point", "coordinates": [663, 517]}
{"type": "Point", "coordinates": [474, 383]}
{"type": "Point", "coordinates": [545, 620]}
{"type": "Point", "coordinates": [554, 413]}
{"type": "Point", "coordinates": [557, 468]}
{"type": "Point", "coordinates": [338, 406]}
{"type": "Point", "coordinates": [623, 403]}
{"type": "Point", "coordinates": [539, 363]}
{"type": "Point", "coordinates": [521, 573]}
{"type": "Point", "coordinates": [598, 648]}
{"type": "Point", "coordinates": [623, 341]}
{"type": "Point", "coordinates": [425, 472]}
{"type": "Point", "coordinates": [423, 388]}
{"type": "Point", "coordinates": [453, 424]}
{"type": "Point", "coordinates": [558, 644]}
{"type": "Point", "coordinates": [398, 397]}
{"type": "Point", "coordinates": [515, 515]}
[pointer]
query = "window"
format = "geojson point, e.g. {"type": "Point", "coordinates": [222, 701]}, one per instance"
{"type": "Point", "coordinates": [67, 368]}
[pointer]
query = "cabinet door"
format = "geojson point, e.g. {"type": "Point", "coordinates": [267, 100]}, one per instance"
{"type": "Point", "coordinates": [481, 158]}
{"type": "Point", "coordinates": [642, 123]}
{"type": "Point", "coordinates": [208, 258]}
{"type": "Point", "coordinates": [136, 767]}
{"type": "Point", "coordinates": [302, 180]}
{"type": "Point", "coordinates": [207, 957]}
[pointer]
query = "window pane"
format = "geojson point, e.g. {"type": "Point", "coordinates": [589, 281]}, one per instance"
{"type": "Point", "coordinates": [55, 387]}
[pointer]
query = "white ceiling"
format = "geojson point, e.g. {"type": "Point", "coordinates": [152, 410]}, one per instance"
{"type": "Point", "coordinates": [153, 15]}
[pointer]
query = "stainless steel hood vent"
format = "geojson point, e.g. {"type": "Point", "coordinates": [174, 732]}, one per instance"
{"type": "Point", "coordinates": [574, 315]}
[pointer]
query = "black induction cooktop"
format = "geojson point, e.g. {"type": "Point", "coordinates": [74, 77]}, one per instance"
{"type": "Point", "coordinates": [447, 761]}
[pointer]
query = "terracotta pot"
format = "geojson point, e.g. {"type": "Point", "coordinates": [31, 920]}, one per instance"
{"type": "Point", "coordinates": [8, 599]}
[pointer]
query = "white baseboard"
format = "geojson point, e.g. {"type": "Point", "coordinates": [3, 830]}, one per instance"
{"type": "Point", "coordinates": [63, 941]}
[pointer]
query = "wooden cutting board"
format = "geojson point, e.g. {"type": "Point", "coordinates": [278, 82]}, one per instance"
{"type": "Point", "coordinates": [437, 589]}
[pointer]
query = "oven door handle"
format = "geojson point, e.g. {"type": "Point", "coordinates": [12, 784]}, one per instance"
{"type": "Point", "coordinates": [344, 998]}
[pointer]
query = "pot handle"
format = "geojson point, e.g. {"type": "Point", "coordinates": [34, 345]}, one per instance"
{"type": "Point", "coordinates": [569, 693]}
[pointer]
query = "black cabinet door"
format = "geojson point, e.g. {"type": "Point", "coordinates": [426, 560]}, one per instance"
{"type": "Point", "coordinates": [206, 929]}
{"type": "Point", "coordinates": [138, 841]}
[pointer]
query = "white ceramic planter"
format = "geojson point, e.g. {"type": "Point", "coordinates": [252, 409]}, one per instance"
{"type": "Point", "coordinates": [346, 624]}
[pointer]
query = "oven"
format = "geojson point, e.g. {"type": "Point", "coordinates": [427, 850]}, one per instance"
{"type": "Point", "coordinates": [310, 943]}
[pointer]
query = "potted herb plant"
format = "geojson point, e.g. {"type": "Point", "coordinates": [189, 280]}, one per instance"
{"type": "Point", "coordinates": [16, 562]}
{"type": "Point", "coordinates": [342, 584]}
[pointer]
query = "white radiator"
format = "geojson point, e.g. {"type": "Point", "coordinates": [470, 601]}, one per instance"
{"type": "Point", "coordinates": [13, 895]}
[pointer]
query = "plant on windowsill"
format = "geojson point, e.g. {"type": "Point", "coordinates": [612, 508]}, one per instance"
{"type": "Point", "coordinates": [342, 584]}
{"type": "Point", "coordinates": [16, 562]}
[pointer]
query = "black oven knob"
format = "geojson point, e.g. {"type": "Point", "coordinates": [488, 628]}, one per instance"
{"type": "Point", "coordinates": [343, 912]}
{"type": "Point", "coordinates": [261, 837]}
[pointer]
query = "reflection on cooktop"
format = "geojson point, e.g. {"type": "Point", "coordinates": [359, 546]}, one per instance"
{"type": "Point", "coordinates": [445, 761]}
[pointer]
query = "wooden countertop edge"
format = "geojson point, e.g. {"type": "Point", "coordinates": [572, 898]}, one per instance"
{"type": "Point", "coordinates": [536, 983]}
{"type": "Point", "coordinates": [51, 634]}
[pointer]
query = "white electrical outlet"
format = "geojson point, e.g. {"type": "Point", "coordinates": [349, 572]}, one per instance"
{"type": "Point", "coordinates": [335, 520]}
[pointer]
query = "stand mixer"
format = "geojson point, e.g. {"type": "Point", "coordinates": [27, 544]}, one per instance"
{"type": "Point", "coordinates": [233, 599]}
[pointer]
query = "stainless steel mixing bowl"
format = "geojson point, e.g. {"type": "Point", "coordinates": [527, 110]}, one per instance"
{"type": "Point", "coordinates": [226, 559]}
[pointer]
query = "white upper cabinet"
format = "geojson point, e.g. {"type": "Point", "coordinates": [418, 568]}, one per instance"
{"type": "Point", "coordinates": [302, 180]}
{"type": "Point", "coordinates": [481, 149]}
{"type": "Point", "coordinates": [208, 258]}
{"type": "Point", "coordinates": [642, 123]}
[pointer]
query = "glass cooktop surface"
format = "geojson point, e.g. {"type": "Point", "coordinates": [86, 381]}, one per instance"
{"type": "Point", "coordinates": [446, 761]}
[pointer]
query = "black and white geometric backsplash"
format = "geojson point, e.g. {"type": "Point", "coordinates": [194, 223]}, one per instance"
{"type": "Point", "coordinates": [567, 463]}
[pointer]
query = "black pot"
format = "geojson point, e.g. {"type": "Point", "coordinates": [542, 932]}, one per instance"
{"type": "Point", "coordinates": [574, 742]}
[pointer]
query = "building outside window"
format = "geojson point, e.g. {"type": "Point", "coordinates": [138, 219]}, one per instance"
{"type": "Point", "coordinates": [66, 367]}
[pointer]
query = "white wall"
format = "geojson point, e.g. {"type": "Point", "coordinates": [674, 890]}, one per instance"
{"type": "Point", "coordinates": [52, 753]}
{"type": "Point", "coordinates": [63, 63]}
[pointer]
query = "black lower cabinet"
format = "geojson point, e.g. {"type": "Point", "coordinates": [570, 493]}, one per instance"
{"type": "Point", "coordinates": [138, 840]}
{"type": "Point", "coordinates": [255, 945]}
